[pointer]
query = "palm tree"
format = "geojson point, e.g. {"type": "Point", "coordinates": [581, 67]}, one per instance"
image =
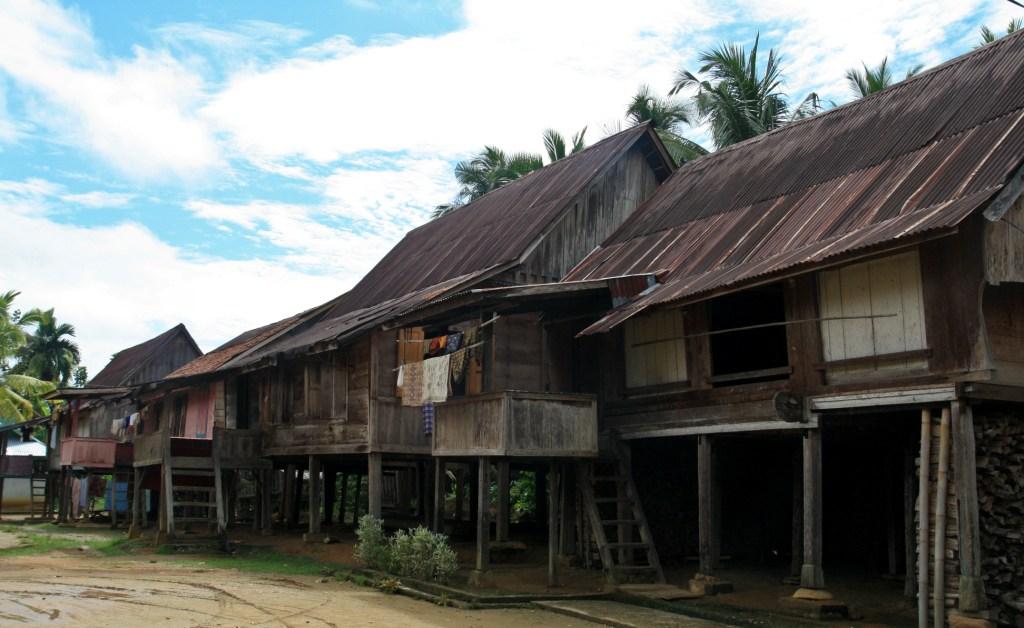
{"type": "Point", "coordinates": [49, 354]}
{"type": "Point", "coordinates": [871, 80]}
{"type": "Point", "coordinates": [554, 144]}
{"type": "Point", "coordinates": [988, 36]}
{"type": "Point", "coordinates": [667, 116]}
{"type": "Point", "coordinates": [488, 170]}
{"type": "Point", "coordinates": [735, 99]}
{"type": "Point", "coordinates": [21, 397]}
{"type": "Point", "coordinates": [12, 336]}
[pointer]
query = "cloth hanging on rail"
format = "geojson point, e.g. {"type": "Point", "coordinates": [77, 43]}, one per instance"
{"type": "Point", "coordinates": [454, 342]}
{"type": "Point", "coordinates": [437, 346]}
{"type": "Point", "coordinates": [458, 365]}
{"type": "Point", "coordinates": [428, 417]}
{"type": "Point", "coordinates": [435, 378]}
{"type": "Point", "coordinates": [412, 383]}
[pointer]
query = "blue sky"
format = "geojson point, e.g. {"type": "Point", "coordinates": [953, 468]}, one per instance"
{"type": "Point", "coordinates": [226, 164]}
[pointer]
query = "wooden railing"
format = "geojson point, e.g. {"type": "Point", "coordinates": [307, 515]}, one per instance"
{"type": "Point", "coordinates": [514, 423]}
{"type": "Point", "coordinates": [237, 448]}
{"type": "Point", "coordinates": [397, 428]}
{"type": "Point", "coordinates": [88, 452]}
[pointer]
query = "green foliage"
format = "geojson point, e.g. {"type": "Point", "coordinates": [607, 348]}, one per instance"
{"type": "Point", "coordinates": [870, 80]}
{"type": "Point", "coordinates": [80, 377]}
{"type": "Point", "coordinates": [737, 98]}
{"type": "Point", "coordinates": [49, 353]}
{"type": "Point", "coordinates": [372, 549]}
{"type": "Point", "coordinates": [667, 116]}
{"type": "Point", "coordinates": [523, 495]}
{"type": "Point", "coordinates": [416, 553]}
{"type": "Point", "coordinates": [988, 35]}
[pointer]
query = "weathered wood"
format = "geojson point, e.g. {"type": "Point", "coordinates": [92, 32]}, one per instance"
{"type": "Point", "coordinates": [343, 500]}
{"type": "Point", "coordinates": [553, 521]}
{"type": "Point", "coordinates": [811, 574]}
{"type": "Point", "coordinates": [460, 492]}
{"type": "Point", "coordinates": [375, 486]}
{"type": "Point", "coordinates": [315, 487]}
{"type": "Point", "coordinates": [924, 510]}
{"type": "Point", "coordinates": [706, 489]}
{"type": "Point", "coordinates": [655, 346]}
{"type": "Point", "coordinates": [483, 507]}
{"type": "Point", "coordinates": [909, 538]}
{"type": "Point", "coordinates": [218, 483]}
{"type": "Point", "coordinates": [567, 512]}
{"type": "Point", "coordinates": [502, 509]}
{"type": "Point", "coordinates": [440, 480]}
{"type": "Point", "coordinates": [138, 512]}
{"type": "Point", "coordinates": [357, 503]}
{"type": "Point", "coordinates": [941, 493]}
{"type": "Point", "coordinates": [168, 487]}
{"type": "Point", "coordinates": [796, 559]}
{"type": "Point", "coordinates": [972, 587]}
{"type": "Point", "coordinates": [330, 494]}
{"type": "Point", "coordinates": [266, 485]}
{"type": "Point", "coordinates": [585, 472]}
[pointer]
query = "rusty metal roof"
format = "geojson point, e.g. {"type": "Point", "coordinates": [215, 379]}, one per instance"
{"type": "Point", "coordinates": [497, 228]}
{"type": "Point", "coordinates": [216, 358]}
{"type": "Point", "coordinates": [917, 157]}
{"type": "Point", "coordinates": [126, 362]}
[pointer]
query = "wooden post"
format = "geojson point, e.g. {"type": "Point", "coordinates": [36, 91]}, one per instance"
{"type": "Point", "coordinates": [113, 498]}
{"type": "Point", "coordinates": [460, 491]}
{"type": "Point", "coordinates": [135, 529]}
{"type": "Point", "coordinates": [474, 487]}
{"type": "Point", "coordinates": [293, 514]}
{"type": "Point", "coordinates": [811, 574]}
{"type": "Point", "coordinates": [3, 456]}
{"type": "Point", "coordinates": [796, 560]}
{"type": "Point", "coordinates": [425, 473]}
{"type": "Point", "coordinates": [358, 500]}
{"type": "Point", "coordinates": [440, 478]}
{"type": "Point", "coordinates": [941, 491]}
{"type": "Point", "coordinates": [707, 526]}
{"type": "Point", "coordinates": [343, 501]}
{"type": "Point", "coordinates": [891, 533]}
{"type": "Point", "coordinates": [553, 531]}
{"type": "Point", "coordinates": [289, 495]}
{"type": "Point", "coordinates": [502, 509]}
{"type": "Point", "coordinates": [330, 494]}
{"type": "Point", "coordinates": [965, 470]}
{"type": "Point", "coordinates": [909, 497]}
{"type": "Point", "coordinates": [483, 507]}
{"type": "Point", "coordinates": [374, 487]}
{"type": "Point", "coordinates": [314, 498]}
{"type": "Point", "coordinates": [924, 510]}
{"type": "Point", "coordinates": [168, 474]}
{"type": "Point", "coordinates": [567, 512]}
{"type": "Point", "coordinates": [266, 490]}
{"type": "Point", "coordinates": [218, 489]}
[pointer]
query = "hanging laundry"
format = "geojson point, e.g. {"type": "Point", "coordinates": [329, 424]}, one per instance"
{"type": "Point", "coordinates": [133, 419]}
{"type": "Point", "coordinates": [435, 379]}
{"type": "Point", "coordinates": [400, 380]}
{"type": "Point", "coordinates": [428, 417]}
{"type": "Point", "coordinates": [437, 346]}
{"type": "Point", "coordinates": [458, 365]}
{"type": "Point", "coordinates": [454, 342]}
{"type": "Point", "coordinates": [412, 384]}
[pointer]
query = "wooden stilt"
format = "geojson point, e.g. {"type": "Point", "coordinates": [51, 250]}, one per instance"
{"type": "Point", "coordinates": [330, 494]}
{"type": "Point", "coordinates": [440, 480]}
{"type": "Point", "coordinates": [811, 574]}
{"type": "Point", "coordinates": [941, 491]}
{"type": "Point", "coordinates": [706, 528]}
{"type": "Point", "coordinates": [289, 495]}
{"type": "Point", "coordinates": [357, 503]}
{"type": "Point", "coordinates": [375, 487]}
{"type": "Point", "coordinates": [266, 495]}
{"type": "Point", "coordinates": [218, 488]}
{"type": "Point", "coordinates": [972, 586]}
{"type": "Point", "coordinates": [296, 505]}
{"type": "Point", "coordinates": [138, 512]}
{"type": "Point", "coordinates": [343, 500]}
{"type": "Point", "coordinates": [315, 487]}
{"type": "Point", "coordinates": [502, 507]}
{"type": "Point", "coordinates": [567, 512]}
{"type": "Point", "coordinates": [924, 513]}
{"type": "Point", "coordinates": [460, 492]}
{"type": "Point", "coordinates": [554, 534]}
{"type": "Point", "coordinates": [909, 497]}
{"type": "Point", "coordinates": [474, 487]}
{"type": "Point", "coordinates": [483, 507]}
{"type": "Point", "coordinates": [797, 527]}
{"type": "Point", "coordinates": [891, 531]}
{"type": "Point", "coordinates": [168, 473]}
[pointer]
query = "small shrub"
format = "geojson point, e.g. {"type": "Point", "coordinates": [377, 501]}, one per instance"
{"type": "Point", "coordinates": [388, 585]}
{"type": "Point", "coordinates": [372, 548]}
{"type": "Point", "coordinates": [417, 553]}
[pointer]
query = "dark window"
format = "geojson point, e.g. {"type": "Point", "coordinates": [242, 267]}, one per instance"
{"type": "Point", "coordinates": [759, 350]}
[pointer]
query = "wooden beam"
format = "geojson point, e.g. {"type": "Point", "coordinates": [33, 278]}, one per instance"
{"type": "Point", "coordinates": [706, 495]}
{"type": "Point", "coordinates": [553, 531]}
{"type": "Point", "coordinates": [567, 511]}
{"type": "Point", "coordinates": [375, 485]}
{"type": "Point", "coordinates": [502, 508]}
{"type": "Point", "coordinates": [811, 574]}
{"type": "Point", "coordinates": [440, 480]}
{"type": "Point", "coordinates": [909, 396]}
{"type": "Point", "coordinates": [627, 433]}
{"type": "Point", "coordinates": [972, 586]}
{"type": "Point", "coordinates": [483, 507]}
{"type": "Point", "coordinates": [315, 488]}
{"type": "Point", "coordinates": [138, 513]}
{"type": "Point", "coordinates": [941, 493]}
{"type": "Point", "coordinates": [924, 486]}
{"type": "Point", "coordinates": [218, 489]}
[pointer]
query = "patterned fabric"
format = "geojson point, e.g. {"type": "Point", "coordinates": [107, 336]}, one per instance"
{"type": "Point", "coordinates": [454, 342]}
{"type": "Point", "coordinates": [412, 384]}
{"type": "Point", "coordinates": [437, 346]}
{"type": "Point", "coordinates": [458, 366]}
{"type": "Point", "coordinates": [435, 379]}
{"type": "Point", "coordinates": [428, 417]}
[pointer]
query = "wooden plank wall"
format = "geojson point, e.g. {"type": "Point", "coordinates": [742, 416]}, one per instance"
{"type": "Point", "coordinates": [552, 426]}
{"type": "Point", "coordinates": [596, 212]}
{"type": "Point", "coordinates": [655, 349]}
{"type": "Point", "coordinates": [1004, 322]}
{"type": "Point", "coordinates": [1004, 246]}
{"type": "Point", "coordinates": [516, 351]}
{"type": "Point", "coordinates": [178, 353]}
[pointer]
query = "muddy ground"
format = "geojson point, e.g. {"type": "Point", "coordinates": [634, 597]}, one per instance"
{"type": "Point", "coordinates": [82, 588]}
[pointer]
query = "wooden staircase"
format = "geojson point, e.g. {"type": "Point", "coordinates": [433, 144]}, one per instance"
{"type": "Point", "coordinates": [191, 508]}
{"type": "Point", "coordinates": [617, 521]}
{"type": "Point", "coordinates": [37, 495]}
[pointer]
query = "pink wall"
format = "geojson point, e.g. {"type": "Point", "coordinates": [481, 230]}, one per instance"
{"type": "Point", "coordinates": [199, 414]}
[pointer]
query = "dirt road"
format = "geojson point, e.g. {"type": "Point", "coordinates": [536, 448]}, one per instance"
{"type": "Point", "coordinates": [64, 589]}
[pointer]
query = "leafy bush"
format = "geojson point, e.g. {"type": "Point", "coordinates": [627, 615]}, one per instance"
{"type": "Point", "coordinates": [372, 548]}
{"type": "Point", "coordinates": [417, 553]}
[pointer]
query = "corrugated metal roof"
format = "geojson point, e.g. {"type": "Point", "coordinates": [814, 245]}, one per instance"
{"type": "Point", "coordinates": [917, 157]}
{"type": "Point", "coordinates": [496, 228]}
{"type": "Point", "coordinates": [127, 361]}
{"type": "Point", "coordinates": [221, 355]}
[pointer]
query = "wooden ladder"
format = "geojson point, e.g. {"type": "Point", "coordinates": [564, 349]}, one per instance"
{"type": "Point", "coordinates": [616, 518]}
{"type": "Point", "coordinates": [191, 503]}
{"type": "Point", "coordinates": [37, 497]}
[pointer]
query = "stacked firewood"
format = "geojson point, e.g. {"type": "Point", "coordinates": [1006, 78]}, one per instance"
{"type": "Point", "coordinates": [1000, 459]}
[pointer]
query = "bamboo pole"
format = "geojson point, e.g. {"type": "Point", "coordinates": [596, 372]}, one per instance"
{"type": "Point", "coordinates": [923, 509]}
{"type": "Point", "coordinates": [942, 484]}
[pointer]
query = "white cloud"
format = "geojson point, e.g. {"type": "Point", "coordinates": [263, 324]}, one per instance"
{"type": "Point", "coordinates": [120, 285]}
{"type": "Point", "coordinates": [139, 113]}
{"type": "Point", "coordinates": [99, 198]}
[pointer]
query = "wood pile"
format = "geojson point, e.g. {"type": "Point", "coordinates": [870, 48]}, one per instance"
{"type": "Point", "coordinates": [1000, 458]}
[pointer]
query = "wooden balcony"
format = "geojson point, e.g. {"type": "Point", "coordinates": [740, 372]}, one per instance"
{"type": "Point", "coordinates": [235, 448]}
{"type": "Point", "coordinates": [94, 453]}
{"type": "Point", "coordinates": [519, 424]}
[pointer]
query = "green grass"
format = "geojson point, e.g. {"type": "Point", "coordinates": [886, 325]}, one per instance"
{"type": "Point", "coordinates": [262, 560]}
{"type": "Point", "coordinates": [37, 539]}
